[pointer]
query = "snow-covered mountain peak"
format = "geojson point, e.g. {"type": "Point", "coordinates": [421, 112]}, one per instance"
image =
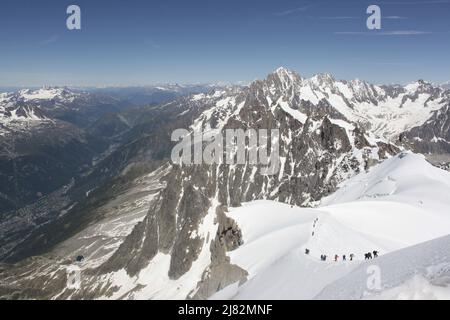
{"type": "Point", "coordinates": [358, 84]}
{"type": "Point", "coordinates": [46, 93]}
{"type": "Point", "coordinates": [419, 86]}
{"type": "Point", "coordinates": [445, 85]}
{"type": "Point", "coordinates": [282, 71]}
{"type": "Point", "coordinates": [322, 79]}
{"type": "Point", "coordinates": [283, 79]}
{"type": "Point", "coordinates": [30, 105]}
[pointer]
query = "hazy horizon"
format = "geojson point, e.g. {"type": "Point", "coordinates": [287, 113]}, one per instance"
{"type": "Point", "coordinates": [217, 83]}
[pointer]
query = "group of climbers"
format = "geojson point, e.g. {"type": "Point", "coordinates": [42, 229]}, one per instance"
{"type": "Point", "coordinates": [323, 257]}
{"type": "Point", "coordinates": [314, 226]}
{"type": "Point", "coordinates": [351, 256]}
{"type": "Point", "coordinates": [368, 255]}
{"type": "Point", "coordinates": [344, 257]}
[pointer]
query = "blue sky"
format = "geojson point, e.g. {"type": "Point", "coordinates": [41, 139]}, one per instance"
{"type": "Point", "coordinates": [137, 42]}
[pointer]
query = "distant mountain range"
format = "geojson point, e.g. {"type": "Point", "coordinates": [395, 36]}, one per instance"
{"type": "Point", "coordinates": [446, 85]}
{"type": "Point", "coordinates": [142, 95]}
{"type": "Point", "coordinates": [52, 134]}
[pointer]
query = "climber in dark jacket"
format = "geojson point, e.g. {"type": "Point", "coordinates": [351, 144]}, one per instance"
{"type": "Point", "coordinates": [375, 253]}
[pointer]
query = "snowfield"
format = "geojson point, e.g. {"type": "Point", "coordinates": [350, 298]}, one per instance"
{"type": "Point", "coordinates": [400, 208]}
{"type": "Point", "coordinates": [418, 272]}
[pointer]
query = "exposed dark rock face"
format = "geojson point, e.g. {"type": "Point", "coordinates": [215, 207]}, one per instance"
{"type": "Point", "coordinates": [221, 272]}
{"type": "Point", "coordinates": [192, 209]}
{"type": "Point", "coordinates": [444, 166]}
{"type": "Point", "coordinates": [230, 235]}
{"type": "Point", "coordinates": [431, 137]}
{"type": "Point", "coordinates": [134, 253]}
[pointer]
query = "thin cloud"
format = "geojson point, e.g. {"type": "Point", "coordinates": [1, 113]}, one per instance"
{"type": "Point", "coordinates": [295, 10]}
{"type": "Point", "coordinates": [340, 18]}
{"type": "Point", "coordinates": [384, 33]}
{"type": "Point", "coordinates": [393, 17]}
{"type": "Point", "coordinates": [50, 40]}
{"type": "Point", "coordinates": [362, 17]}
{"type": "Point", "coordinates": [152, 44]}
{"type": "Point", "coordinates": [390, 63]}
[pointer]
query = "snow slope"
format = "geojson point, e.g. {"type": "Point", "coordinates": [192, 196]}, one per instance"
{"type": "Point", "coordinates": [401, 203]}
{"type": "Point", "coordinates": [417, 272]}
